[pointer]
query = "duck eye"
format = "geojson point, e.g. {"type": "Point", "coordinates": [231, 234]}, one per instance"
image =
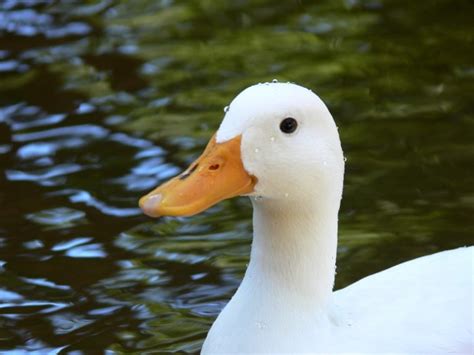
{"type": "Point", "coordinates": [288, 125]}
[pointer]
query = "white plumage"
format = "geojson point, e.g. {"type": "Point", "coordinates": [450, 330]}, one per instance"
{"type": "Point", "coordinates": [285, 303]}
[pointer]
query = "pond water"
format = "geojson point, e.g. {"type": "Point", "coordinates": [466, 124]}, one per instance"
{"type": "Point", "coordinates": [102, 100]}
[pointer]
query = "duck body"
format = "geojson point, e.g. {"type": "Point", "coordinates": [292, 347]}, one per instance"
{"type": "Point", "coordinates": [279, 145]}
{"type": "Point", "coordinates": [374, 315]}
{"type": "Point", "coordinates": [422, 306]}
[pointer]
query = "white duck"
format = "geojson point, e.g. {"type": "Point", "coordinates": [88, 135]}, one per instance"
{"type": "Point", "coordinates": [279, 144]}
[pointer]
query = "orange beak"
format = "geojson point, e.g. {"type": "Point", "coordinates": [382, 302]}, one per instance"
{"type": "Point", "coordinates": [216, 175]}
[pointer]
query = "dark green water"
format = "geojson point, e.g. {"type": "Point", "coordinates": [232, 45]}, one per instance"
{"type": "Point", "coordinates": [102, 100]}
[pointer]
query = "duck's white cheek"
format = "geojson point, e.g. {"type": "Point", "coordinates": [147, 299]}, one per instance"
{"type": "Point", "coordinates": [255, 152]}
{"type": "Point", "coordinates": [264, 156]}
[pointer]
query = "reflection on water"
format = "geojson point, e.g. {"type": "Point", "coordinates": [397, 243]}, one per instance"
{"type": "Point", "coordinates": [102, 100]}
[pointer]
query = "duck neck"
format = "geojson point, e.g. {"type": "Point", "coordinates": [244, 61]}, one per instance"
{"type": "Point", "coordinates": [294, 251]}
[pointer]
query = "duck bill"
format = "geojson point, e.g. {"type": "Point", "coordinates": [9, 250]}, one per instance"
{"type": "Point", "coordinates": [216, 175]}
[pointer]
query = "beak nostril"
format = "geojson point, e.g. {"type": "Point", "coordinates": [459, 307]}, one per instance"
{"type": "Point", "coordinates": [214, 167]}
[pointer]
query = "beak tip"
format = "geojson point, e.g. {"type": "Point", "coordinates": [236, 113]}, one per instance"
{"type": "Point", "coordinates": [150, 203]}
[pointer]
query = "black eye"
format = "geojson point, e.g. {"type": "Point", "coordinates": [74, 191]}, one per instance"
{"type": "Point", "coordinates": [288, 125]}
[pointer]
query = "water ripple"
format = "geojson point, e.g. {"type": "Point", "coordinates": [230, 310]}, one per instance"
{"type": "Point", "coordinates": [85, 197]}
{"type": "Point", "coordinates": [45, 283]}
{"type": "Point", "coordinates": [126, 139]}
{"type": "Point", "coordinates": [91, 131]}
{"type": "Point", "coordinates": [14, 310]}
{"type": "Point", "coordinates": [94, 250]}
{"type": "Point", "coordinates": [44, 176]}
{"type": "Point", "coordinates": [39, 121]}
{"type": "Point", "coordinates": [60, 217]}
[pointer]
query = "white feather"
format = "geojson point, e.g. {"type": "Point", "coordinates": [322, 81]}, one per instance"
{"type": "Point", "coordinates": [286, 303]}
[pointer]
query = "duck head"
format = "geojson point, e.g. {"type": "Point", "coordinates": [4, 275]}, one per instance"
{"type": "Point", "coordinates": [277, 141]}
